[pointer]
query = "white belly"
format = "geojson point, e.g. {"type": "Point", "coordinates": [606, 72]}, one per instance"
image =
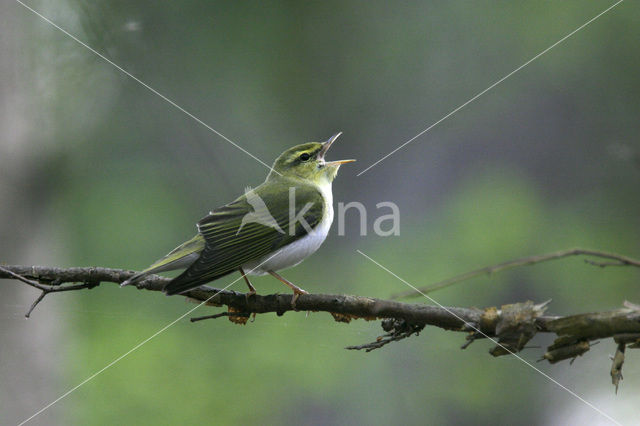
{"type": "Point", "coordinates": [294, 253]}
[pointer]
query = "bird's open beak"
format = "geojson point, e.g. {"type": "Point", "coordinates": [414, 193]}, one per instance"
{"type": "Point", "coordinates": [326, 147]}
{"type": "Point", "coordinates": [335, 163]}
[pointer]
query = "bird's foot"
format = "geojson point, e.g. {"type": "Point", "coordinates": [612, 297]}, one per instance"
{"type": "Point", "coordinates": [297, 291]}
{"type": "Point", "coordinates": [250, 294]}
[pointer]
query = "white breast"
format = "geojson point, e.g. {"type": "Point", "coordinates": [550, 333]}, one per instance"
{"type": "Point", "coordinates": [294, 253]}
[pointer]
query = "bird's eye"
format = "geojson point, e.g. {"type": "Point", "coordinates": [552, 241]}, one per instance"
{"type": "Point", "coordinates": [304, 157]}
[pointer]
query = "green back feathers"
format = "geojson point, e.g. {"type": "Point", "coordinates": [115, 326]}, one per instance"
{"type": "Point", "coordinates": [251, 227]}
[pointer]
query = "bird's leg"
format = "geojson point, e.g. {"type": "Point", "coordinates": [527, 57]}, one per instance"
{"type": "Point", "coordinates": [297, 291]}
{"type": "Point", "coordinates": [252, 289]}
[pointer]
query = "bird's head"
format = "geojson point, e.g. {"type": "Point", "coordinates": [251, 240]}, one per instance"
{"type": "Point", "coordinates": [307, 161]}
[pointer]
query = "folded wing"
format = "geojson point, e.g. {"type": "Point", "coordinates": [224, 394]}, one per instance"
{"type": "Point", "coordinates": [251, 227]}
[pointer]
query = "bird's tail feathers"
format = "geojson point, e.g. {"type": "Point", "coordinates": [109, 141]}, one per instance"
{"type": "Point", "coordinates": [134, 279]}
{"type": "Point", "coordinates": [180, 257]}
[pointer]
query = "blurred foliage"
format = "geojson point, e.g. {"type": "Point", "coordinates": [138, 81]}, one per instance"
{"type": "Point", "coordinates": [544, 161]}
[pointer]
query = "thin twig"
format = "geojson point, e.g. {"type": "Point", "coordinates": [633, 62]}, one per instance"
{"type": "Point", "coordinates": [604, 264]}
{"type": "Point", "coordinates": [222, 314]}
{"type": "Point", "coordinates": [53, 287]}
{"type": "Point", "coordinates": [35, 303]}
{"type": "Point", "coordinates": [23, 279]}
{"type": "Point", "coordinates": [397, 330]}
{"type": "Point", "coordinates": [523, 261]}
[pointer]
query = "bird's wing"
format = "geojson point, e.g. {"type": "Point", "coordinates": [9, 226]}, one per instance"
{"type": "Point", "coordinates": [231, 241]}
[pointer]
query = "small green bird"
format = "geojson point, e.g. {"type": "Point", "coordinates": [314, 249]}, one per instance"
{"type": "Point", "coordinates": [271, 227]}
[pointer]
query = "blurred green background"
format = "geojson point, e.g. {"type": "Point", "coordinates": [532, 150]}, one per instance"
{"type": "Point", "coordinates": [97, 170]}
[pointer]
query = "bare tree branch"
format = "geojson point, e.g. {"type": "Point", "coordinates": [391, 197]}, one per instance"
{"type": "Point", "coordinates": [510, 326]}
{"type": "Point", "coordinates": [618, 260]}
{"type": "Point", "coordinates": [344, 307]}
{"type": "Point", "coordinates": [52, 286]}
